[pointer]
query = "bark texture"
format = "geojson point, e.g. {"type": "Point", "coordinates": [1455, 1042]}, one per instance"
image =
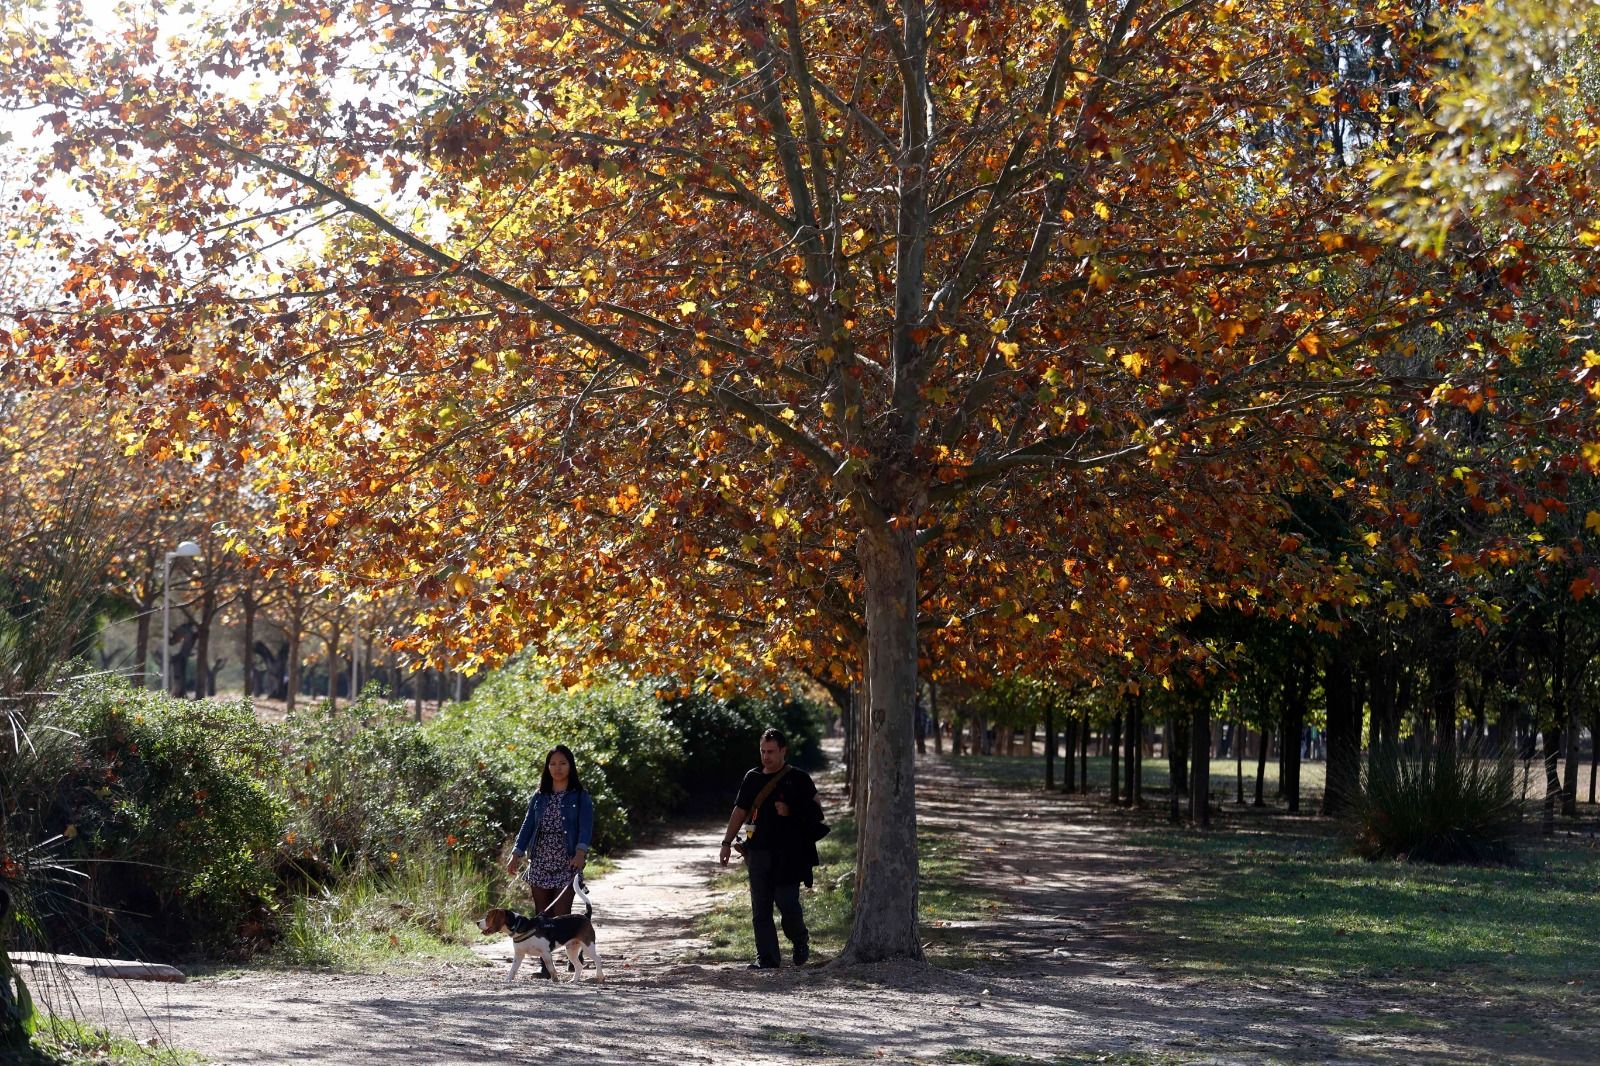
{"type": "Point", "coordinates": [886, 908]}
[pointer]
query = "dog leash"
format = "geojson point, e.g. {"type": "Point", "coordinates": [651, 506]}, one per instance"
{"type": "Point", "coordinates": [576, 879]}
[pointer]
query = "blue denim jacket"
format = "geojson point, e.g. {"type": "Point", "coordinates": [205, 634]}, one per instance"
{"type": "Point", "coordinates": [577, 818]}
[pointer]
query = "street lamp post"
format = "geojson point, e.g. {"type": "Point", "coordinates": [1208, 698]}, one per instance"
{"type": "Point", "coordinates": [186, 550]}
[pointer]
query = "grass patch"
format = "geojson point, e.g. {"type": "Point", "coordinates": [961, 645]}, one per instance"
{"type": "Point", "coordinates": [64, 1042]}
{"type": "Point", "coordinates": [943, 897]}
{"type": "Point", "coordinates": [1027, 771]}
{"type": "Point", "coordinates": [1292, 907]}
{"type": "Point", "coordinates": [422, 907]}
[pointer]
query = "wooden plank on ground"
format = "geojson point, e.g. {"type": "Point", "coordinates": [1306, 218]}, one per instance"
{"type": "Point", "coordinates": [126, 969]}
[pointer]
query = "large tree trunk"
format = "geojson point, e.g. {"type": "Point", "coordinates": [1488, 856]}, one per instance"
{"type": "Point", "coordinates": [1383, 758]}
{"type": "Point", "coordinates": [1177, 754]}
{"type": "Point", "coordinates": [1344, 736]}
{"type": "Point", "coordinates": [886, 908]}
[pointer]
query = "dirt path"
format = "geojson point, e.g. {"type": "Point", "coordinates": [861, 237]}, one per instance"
{"type": "Point", "coordinates": [1057, 978]}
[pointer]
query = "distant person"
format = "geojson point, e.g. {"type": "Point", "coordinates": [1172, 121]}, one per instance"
{"type": "Point", "coordinates": [555, 835]}
{"type": "Point", "coordinates": [779, 802]}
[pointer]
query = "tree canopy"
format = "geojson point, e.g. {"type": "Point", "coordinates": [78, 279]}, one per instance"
{"type": "Point", "coordinates": [692, 335]}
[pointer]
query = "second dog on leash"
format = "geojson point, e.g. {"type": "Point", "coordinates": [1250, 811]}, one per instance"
{"type": "Point", "coordinates": [538, 934]}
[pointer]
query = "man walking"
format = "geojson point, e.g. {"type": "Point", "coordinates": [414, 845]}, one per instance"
{"type": "Point", "coordinates": [780, 804]}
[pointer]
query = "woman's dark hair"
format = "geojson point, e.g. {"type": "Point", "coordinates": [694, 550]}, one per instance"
{"type": "Point", "coordinates": [774, 734]}
{"type": "Point", "coordinates": [573, 784]}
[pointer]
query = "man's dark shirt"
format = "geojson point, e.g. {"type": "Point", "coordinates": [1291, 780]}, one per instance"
{"type": "Point", "coordinates": [774, 831]}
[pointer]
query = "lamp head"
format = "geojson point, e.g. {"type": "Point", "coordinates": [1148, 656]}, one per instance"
{"type": "Point", "coordinates": [186, 550]}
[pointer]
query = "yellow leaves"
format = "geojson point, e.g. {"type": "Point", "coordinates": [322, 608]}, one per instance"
{"type": "Point", "coordinates": [461, 585]}
{"type": "Point", "coordinates": [1591, 522]}
{"type": "Point", "coordinates": [1135, 362]}
{"type": "Point", "coordinates": [1323, 96]}
{"type": "Point", "coordinates": [1101, 211]}
{"type": "Point", "coordinates": [1009, 349]}
{"type": "Point", "coordinates": [688, 307]}
{"type": "Point", "coordinates": [1371, 539]}
{"type": "Point", "coordinates": [1230, 331]}
{"type": "Point", "coordinates": [1590, 453]}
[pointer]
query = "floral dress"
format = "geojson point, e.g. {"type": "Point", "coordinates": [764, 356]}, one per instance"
{"type": "Point", "coordinates": [547, 859]}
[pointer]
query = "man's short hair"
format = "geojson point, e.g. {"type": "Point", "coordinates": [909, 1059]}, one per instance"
{"type": "Point", "coordinates": [774, 734]}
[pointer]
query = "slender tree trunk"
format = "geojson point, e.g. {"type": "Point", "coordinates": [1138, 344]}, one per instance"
{"type": "Point", "coordinates": [1069, 765]}
{"type": "Point", "coordinates": [1344, 736]}
{"type": "Point", "coordinates": [292, 687]}
{"type": "Point", "coordinates": [1552, 783]}
{"type": "Point", "coordinates": [141, 646]}
{"type": "Point", "coordinates": [416, 693]}
{"type": "Point", "coordinates": [1293, 727]}
{"type": "Point", "coordinates": [1116, 744]}
{"type": "Point", "coordinates": [1443, 686]}
{"type": "Point", "coordinates": [1130, 753]}
{"type": "Point", "coordinates": [1200, 772]}
{"type": "Point", "coordinates": [1569, 758]}
{"type": "Point", "coordinates": [933, 713]}
{"type": "Point", "coordinates": [1238, 761]}
{"type": "Point", "coordinates": [247, 644]}
{"type": "Point", "coordinates": [886, 909]}
{"type": "Point", "coordinates": [1136, 755]}
{"type": "Point", "coordinates": [1083, 756]}
{"type": "Point", "coordinates": [1594, 749]}
{"type": "Point", "coordinates": [1050, 748]}
{"type": "Point", "coordinates": [1262, 744]}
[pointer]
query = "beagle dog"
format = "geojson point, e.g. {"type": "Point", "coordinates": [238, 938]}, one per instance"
{"type": "Point", "coordinates": [536, 934]}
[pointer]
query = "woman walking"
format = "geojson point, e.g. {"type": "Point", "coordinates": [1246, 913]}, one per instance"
{"type": "Point", "coordinates": [555, 835]}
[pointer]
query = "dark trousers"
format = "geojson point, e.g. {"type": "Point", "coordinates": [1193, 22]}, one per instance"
{"type": "Point", "coordinates": [765, 890]}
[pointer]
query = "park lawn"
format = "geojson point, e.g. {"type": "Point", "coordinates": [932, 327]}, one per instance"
{"type": "Point", "coordinates": [1280, 904]}
{"type": "Point", "coordinates": [943, 896]}
{"type": "Point", "coordinates": [1027, 771]}
{"type": "Point", "coordinates": [64, 1042]}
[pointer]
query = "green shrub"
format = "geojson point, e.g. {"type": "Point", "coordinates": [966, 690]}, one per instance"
{"type": "Point", "coordinates": [368, 787]}
{"type": "Point", "coordinates": [165, 807]}
{"type": "Point", "coordinates": [629, 756]}
{"type": "Point", "coordinates": [1445, 809]}
{"type": "Point", "coordinates": [423, 903]}
{"type": "Point", "coordinates": [721, 736]}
